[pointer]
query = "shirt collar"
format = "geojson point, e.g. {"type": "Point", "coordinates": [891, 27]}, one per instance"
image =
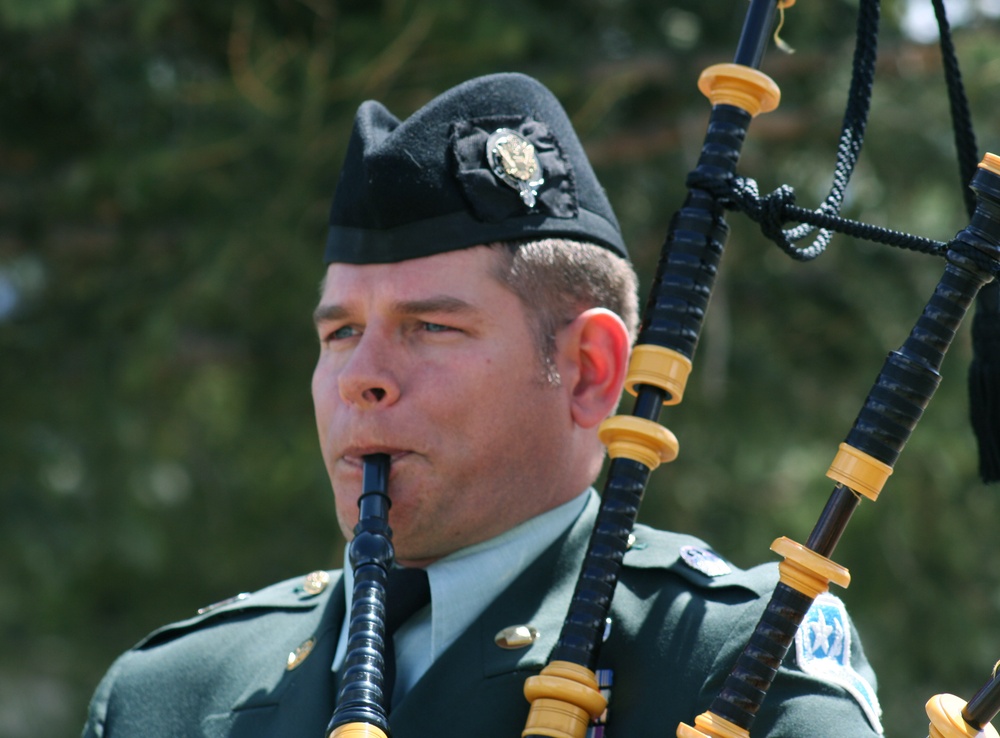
{"type": "Point", "coordinates": [462, 585]}
{"type": "Point", "coordinates": [467, 581]}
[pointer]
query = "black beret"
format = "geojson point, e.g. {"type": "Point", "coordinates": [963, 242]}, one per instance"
{"type": "Point", "coordinates": [494, 159]}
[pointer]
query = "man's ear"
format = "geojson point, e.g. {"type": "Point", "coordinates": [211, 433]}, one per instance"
{"type": "Point", "coordinates": [596, 347]}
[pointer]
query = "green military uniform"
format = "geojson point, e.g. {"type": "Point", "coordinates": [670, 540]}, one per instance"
{"type": "Point", "coordinates": [676, 631]}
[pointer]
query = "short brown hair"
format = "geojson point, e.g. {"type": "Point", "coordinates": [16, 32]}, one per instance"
{"type": "Point", "coordinates": [557, 278]}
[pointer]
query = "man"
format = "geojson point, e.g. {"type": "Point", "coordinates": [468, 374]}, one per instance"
{"type": "Point", "coordinates": [474, 325]}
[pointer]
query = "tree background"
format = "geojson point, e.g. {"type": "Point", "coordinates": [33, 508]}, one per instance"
{"type": "Point", "coordinates": [165, 170]}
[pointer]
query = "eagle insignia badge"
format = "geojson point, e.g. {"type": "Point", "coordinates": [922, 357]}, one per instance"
{"type": "Point", "coordinates": [513, 160]}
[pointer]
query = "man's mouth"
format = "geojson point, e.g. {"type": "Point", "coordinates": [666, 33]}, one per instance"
{"type": "Point", "coordinates": [354, 455]}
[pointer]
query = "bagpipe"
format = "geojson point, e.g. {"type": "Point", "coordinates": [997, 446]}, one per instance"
{"type": "Point", "coordinates": [566, 697]}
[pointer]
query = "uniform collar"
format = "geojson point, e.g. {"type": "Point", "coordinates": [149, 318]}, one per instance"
{"type": "Point", "coordinates": [493, 675]}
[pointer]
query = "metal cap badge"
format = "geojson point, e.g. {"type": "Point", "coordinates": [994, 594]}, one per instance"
{"type": "Point", "coordinates": [512, 159]}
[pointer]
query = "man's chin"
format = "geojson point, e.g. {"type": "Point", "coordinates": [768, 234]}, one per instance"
{"type": "Point", "coordinates": [419, 563]}
{"type": "Point", "coordinates": [410, 555]}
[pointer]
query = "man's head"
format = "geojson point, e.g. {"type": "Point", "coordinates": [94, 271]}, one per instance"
{"type": "Point", "coordinates": [471, 321]}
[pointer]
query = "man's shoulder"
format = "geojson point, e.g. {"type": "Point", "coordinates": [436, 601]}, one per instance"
{"type": "Point", "coordinates": [300, 593]}
{"type": "Point", "coordinates": [826, 657]}
{"type": "Point", "coordinates": [232, 652]}
{"type": "Point", "coordinates": [694, 561]}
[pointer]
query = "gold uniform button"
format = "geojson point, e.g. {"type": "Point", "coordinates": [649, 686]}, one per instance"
{"type": "Point", "coordinates": [299, 655]}
{"type": "Point", "coordinates": [316, 582]}
{"type": "Point", "coordinates": [516, 636]}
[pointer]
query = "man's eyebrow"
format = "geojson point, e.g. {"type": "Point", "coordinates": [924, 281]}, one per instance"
{"type": "Point", "coordinates": [437, 304]}
{"type": "Point", "coordinates": [325, 312]}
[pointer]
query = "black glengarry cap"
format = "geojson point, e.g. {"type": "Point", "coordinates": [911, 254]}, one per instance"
{"type": "Point", "coordinates": [493, 159]}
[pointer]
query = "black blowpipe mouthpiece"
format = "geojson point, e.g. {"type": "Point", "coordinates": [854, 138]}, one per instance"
{"type": "Point", "coordinates": [364, 693]}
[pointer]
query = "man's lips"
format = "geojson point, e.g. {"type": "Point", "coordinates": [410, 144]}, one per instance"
{"type": "Point", "coordinates": [354, 455]}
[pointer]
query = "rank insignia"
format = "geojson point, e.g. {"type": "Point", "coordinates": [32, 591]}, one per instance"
{"type": "Point", "coordinates": [705, 562]}
{"type": "Point", "coordinates": [823, 649]}
{"type": "Point", "coordinates": [512, 159]}
{"type": "Point", "coordinates": [222, 603]}
{"type": "Point", "coordinates": [300, 654]}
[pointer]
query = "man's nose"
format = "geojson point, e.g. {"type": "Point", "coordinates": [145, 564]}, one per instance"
{"type": "Point", "coordinates": [368, 380]}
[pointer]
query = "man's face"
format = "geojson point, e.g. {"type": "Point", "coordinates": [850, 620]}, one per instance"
{"type": "Point", "coordinates": [433, 362]}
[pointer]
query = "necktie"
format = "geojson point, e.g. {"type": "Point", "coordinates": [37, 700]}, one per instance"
{"type": "Point", "coordinates": [407, 591]}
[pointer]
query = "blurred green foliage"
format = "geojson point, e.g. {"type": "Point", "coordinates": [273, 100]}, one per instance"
{"type": "Point", "coordinates": [165, 169]}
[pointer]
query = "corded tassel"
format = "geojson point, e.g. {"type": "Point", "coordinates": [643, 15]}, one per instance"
{"type": "Point", "coordinates": [984, 381]}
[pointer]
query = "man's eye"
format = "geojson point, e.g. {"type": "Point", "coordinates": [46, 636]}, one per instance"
{"type": "Point", "coordinates": [345, 331]}
{"type": "Point", "coordinates": [436, 328]}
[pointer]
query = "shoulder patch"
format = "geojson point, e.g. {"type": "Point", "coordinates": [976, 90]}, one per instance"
{"type": "Point", "coordinates": [823, 650]}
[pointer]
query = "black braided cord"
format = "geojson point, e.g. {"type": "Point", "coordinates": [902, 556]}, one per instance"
{"type": "Point", "coordinates": [958, 103]}
{"type": "Point", "coordinates": [852, 131]}
{"type": "Point", "coordinates": [777, 209]}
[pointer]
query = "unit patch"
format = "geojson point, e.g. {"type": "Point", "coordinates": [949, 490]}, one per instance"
{"type": "Point", "coordinates": [823, 649]}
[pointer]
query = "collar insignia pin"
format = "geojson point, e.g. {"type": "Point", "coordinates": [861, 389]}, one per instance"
{"type": "Point", "coordinates": [315, 582]}
{"type": "Point", "coordinates": [512, 159]}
